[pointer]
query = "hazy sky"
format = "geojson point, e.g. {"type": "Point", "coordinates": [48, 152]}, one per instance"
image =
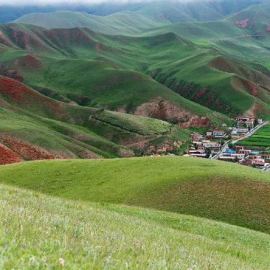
{"type": "Point", "coordinates": [34, 2]}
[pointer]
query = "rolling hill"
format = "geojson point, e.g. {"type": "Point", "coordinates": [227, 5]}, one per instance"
{"type": "Point", "coordinates": [115, 63]}
{"type": "Point", "coordinates": [206, 188]}
{"type": "Point", "coordinates": [41, 231]}
{"type": "Point", "coordinates": [187, 74]}
{"type": "Point", "coordinates": [125, 22]}
{"type": "Point", "coordinates": [107, 83]}
{"type": "Point", "coordinates": [53, 129]}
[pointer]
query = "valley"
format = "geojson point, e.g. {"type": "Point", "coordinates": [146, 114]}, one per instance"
{"type": "Point", "coordinates": [104, 111]}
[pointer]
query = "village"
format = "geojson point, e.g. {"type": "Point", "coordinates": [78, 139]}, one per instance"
{"type": "Point", "coordinates": [222, 144]}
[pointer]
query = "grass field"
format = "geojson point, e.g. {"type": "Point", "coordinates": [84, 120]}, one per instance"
{"type": "Point", "coordinates": [44, 232]}
{"type": "Point", "coordinates": [205, 188]}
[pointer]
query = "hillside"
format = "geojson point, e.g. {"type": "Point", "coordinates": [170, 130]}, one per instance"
{"type": "Point", "coordinates": [134, 90]}
{"type": "Point", "coordinates": [97, 70]}
{"type": "Point", "coordinates": [37, 127]}
{"type": "Point", "coordinates": [41, 231]}
{"type": "Point", "coordinates": [206, 188]}
{"type": "Point", "coordinates": [113, 65]}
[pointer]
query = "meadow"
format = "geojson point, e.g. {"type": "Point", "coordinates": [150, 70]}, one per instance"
{"type": "Point", "coordinates": [40, 232]}
{"type": "Point", "coordinates": [205, 188]}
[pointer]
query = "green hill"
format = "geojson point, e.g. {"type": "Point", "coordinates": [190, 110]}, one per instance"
{"type": "Point", "coordinates": [205, 188]}
{"type": "Point", "coordinates": [40, 231]}
{"type": "Point", "coordinates": [183, 74]}
{"type": "Point", "coordinates": [31, 120]}
{"type": "Point", "coordinates": [86, 67]}
{"type": "Point", "coordinates": [97, 70]}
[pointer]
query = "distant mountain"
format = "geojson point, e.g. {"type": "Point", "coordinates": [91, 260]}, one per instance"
{"type": "Point", "coordinates": [172, 11]}
{"type": "Point", "coordinates": [125, 23]}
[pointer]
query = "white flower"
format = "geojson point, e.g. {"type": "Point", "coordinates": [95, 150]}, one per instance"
{"type": "Point", "coordinates": [62, 262]}
{"type": "Point", "coordinates": [32, 260]}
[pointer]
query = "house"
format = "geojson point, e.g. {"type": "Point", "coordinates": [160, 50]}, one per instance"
{"type": "Point", "coordinates": [238, 156]}
{"type": "Point", "coordinates": [244, 151]}
{"type": "Point", "coordinates": [219, 134]}
{"type": "Point", "coordinates": [239, 131]}
{"type": "Point", "coordinates": [258, 162]}
{"type": "Point", "coordinates": [196, 136]}
{"type": "Point", "coordinates": [197, 153]}
{"type": "Point", "coordinates": [245, 121]}
{"type": "Point", "coordinates": [265, 155]}
{"type": "Point", "coordinates": [211, 145]}
{"type": "Point", "coordinates": [227, 158]}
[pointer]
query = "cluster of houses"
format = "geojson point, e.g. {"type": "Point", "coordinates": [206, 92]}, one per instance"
{"type": "Point", "coordinates": [244, 156]}
{"type": "Point", "coordinates": [204, 146]}
{"type": "Point", "coordinates": [214, 144]}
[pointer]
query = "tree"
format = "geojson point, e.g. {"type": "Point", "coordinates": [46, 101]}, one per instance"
{"type": "Point", "coordinates": [208, 152]}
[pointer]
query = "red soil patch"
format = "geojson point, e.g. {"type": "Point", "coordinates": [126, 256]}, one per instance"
{"type": "Point", "coordinates": [99, 47]}
{"type": "Point", "coordinates": [243, 23]}
{"type": "Point", "coordinates": [65, 37]}
{"type": "Point", "coordinates": [29, 61]}
{"type": "Point", "coordinates": [24, 149]}
{"type": "Point", "coordinates": [221, 64]}
{"type": "Point", "coordinates": [167, 110]}
{"type": "Point", "coordinates": [22, 39]}
{"type": "Point", "coordinates": [195, 121]}
{"type": "Point", "coordinates": [7, 156]}
{"type": "Point", "coordinates": [250, 87]}
{"type": "Point", "coordinates": [22, 95]}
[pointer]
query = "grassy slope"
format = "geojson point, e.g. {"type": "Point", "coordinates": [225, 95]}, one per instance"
{"type": "Point", "coordinates": [211, 189]}
{"type": "Point", "coordinates": [38, 230]}
{"type": "Point", "coordinates": [58, 138]}
{"type": "Point", "coordinates": [103, 132]}
{"type": "Point", "coordinates": [108, 70]}
{"type": "Point", "coordinates": [238, 49]}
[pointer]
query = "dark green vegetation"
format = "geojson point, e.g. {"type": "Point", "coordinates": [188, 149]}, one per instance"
{"type": "Point", "coordinates": [210, 189]}
{"type": "Point", "coordinates": [39, 232]}
{"type": "Point", "coordinates": [259, 140]}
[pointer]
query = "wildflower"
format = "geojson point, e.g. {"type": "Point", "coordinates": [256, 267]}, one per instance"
{"type": "Point", "coordinates": [23, 245]}
{"type": "Point", "coordinates": [62, 262]}
{"type": "Point", "coordinates": [32, 260]}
